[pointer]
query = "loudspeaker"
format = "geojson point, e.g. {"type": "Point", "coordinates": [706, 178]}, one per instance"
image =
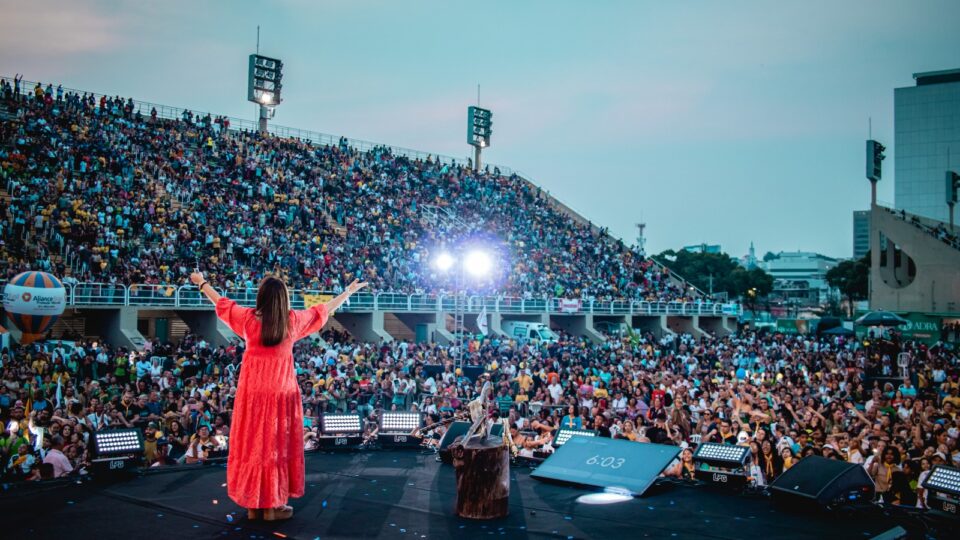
{"type": "Point", "coordinates": [817, 482]}
{"type": "Point", "coordinates": [459, 429]}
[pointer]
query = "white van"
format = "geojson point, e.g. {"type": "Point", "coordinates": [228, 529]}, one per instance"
{"type": "Point", "coordinates": [524, 331]}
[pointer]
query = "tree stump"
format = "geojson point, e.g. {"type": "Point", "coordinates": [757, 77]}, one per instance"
{"type": "Point", "coordinates": [483, 477]}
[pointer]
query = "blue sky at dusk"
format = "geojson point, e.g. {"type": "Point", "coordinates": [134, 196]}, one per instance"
{"type": "Point", "coordinates": [718, 122]}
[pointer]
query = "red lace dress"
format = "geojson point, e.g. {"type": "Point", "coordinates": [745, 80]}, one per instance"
{"type": "Point", "coordinates": [265, 463]}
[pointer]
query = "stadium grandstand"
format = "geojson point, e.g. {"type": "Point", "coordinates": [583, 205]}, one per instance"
{"type": "Point", "coordinates": [104, 189]}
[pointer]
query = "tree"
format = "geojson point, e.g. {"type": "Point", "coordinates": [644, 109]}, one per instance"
{"type": "Point", "coordinates": [752, 286]}
{"type": "Point", "coordinates": [851, 278]}
{"type": "Point", "coordinates": [701, 269]}
{"type": "Point", "coordinates": [720, 270]}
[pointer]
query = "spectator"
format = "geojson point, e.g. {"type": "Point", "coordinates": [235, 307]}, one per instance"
{"type": "Point", "coordinates": [56, 458]}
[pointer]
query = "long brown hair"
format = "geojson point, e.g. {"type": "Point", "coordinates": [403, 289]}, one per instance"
{"type": "Point", "coordinates": [273, 308]}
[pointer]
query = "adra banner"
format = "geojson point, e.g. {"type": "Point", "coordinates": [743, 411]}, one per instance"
{"type": "Point", "coordinates": [793, 326]}
{"type": "Point", "coordinates": [922, 327]}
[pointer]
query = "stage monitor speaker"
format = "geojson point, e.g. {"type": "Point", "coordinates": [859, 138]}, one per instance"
{"type": "Point", "coordinates": [459, 429]}
{"type": "Point", "coordinates": [817, 482]}
{"type": "Point", "coordinates": [607, 463]}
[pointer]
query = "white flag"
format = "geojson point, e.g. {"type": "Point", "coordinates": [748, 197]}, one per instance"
{"type": "Point", "coordinates": [482, 320]}
{"type": "Point", "coordinates": [59, 395]}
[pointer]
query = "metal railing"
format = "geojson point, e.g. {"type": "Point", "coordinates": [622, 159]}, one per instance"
{"type": "Point", "coordinates": [81, 295]}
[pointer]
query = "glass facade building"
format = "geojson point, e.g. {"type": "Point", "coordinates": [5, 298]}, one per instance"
{"type": "Point", "coordinates": [927, 135]}
{"type": "Point", "coordinates": [861, 233]}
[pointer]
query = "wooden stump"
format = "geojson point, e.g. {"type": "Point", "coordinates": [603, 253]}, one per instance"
{"type": "Point", "coordinates": [483, 477]}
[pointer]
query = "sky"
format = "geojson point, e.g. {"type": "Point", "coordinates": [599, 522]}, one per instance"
{"type": "Point", "coordinates": [713, 122]}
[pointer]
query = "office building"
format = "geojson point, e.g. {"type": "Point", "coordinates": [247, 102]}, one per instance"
{"type": "Point", "coordinates": [861, 233]}
{"type": "Point", "coordinates": [800, 276]}
{"type": "Point", "coordinates": [927, 135]}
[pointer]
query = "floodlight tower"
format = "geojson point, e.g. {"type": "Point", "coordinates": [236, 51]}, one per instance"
{"type": "Point", "coordinates": [953, 186]}
{"type": "Point", "coordinates": [479, 129]}
{"type": "Point", "coordinates": [263, 85]}
{"type": "Point", "coordinates": [875, 157]}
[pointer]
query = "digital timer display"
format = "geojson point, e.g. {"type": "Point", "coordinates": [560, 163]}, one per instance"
{"type": "Point", "coordinates": [605, 463]}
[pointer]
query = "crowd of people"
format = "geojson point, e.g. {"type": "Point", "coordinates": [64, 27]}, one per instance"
{"type": "Point", "coordinates": [939, 231]}
{"type": "Point", "coordinates": [138, 199]}
{"type": "Point", "coordinates": [784, 397]}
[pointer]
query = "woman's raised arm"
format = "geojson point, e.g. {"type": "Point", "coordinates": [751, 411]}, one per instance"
{"type": "Point", "coordinates": [197, 279]}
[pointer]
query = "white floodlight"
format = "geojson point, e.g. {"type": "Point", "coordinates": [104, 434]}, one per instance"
{"type": "Point", "coordinates": [478, 263]}
{"type": "Point", "coordinates": [444, 261]}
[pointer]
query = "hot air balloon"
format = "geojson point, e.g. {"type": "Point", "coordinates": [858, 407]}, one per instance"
{"type": "Point", "coordinates": [34, 301]}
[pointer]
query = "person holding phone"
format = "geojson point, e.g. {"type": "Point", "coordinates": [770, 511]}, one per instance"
{"type": "Point", "coordinates": [265, 466]}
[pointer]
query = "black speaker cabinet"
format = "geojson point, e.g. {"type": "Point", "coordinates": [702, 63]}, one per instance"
{"type": "Point", "coordinates": [817, 482]}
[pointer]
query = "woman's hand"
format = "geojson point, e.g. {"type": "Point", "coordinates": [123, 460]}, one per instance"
{"type": "Point", "coordinates": [196, 278]}
{"type": "Point", "coordinates": [355, 286]}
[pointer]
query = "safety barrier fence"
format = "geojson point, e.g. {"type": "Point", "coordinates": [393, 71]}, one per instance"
{"type": "Point", "coordinates": [86, 295]}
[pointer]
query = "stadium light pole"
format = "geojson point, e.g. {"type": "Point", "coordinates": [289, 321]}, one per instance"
{"type": "Point", "coordinates": [264, 78]}
{"type": "Point", "coordinates": [953, 185]}
{"type": "Point", "coordinates": [479, 130]}
{"type": "Point", "coordinates": [875, 157]}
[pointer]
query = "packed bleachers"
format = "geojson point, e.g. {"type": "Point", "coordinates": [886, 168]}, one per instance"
{"type": "Point", "coordinates": [142, 199]}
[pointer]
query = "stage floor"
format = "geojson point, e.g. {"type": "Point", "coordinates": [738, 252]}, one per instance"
{"type": "Point", "coordinates": [398, 494]}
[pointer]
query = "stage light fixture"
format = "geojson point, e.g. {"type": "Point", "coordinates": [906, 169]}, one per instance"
{"type": "Point", "coordinates": [338, 424]}
{"type": "Point", "coordinates": [116, 450]}
{"type": "Point", "coordinates": [396, 430]}
{"type": "Point", "coordinates": [399, 422]}
{"type": "Point", "coordinates": [722, 454]}
{"type": "Point", "coordinates": [444, 262]}
{"type": "Point", "coordinates": [564, 434]}
{"type": "Point", "coordinates": [117, 442]}
{"type": "Point", "coordinates": [478, 263]}
{"type": "Point", "coordinates": [340, 431]}
{"type": "Point", "coordinates": [943, 485]}
{"type": "Point", "coordinates": [722, 465]}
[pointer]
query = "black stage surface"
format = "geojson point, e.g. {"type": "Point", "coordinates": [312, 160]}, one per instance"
{"type": "Point", "coordinates": [396, 494]}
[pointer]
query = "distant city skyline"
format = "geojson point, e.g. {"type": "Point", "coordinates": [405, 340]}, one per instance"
{"type": "Point", "coordinates": [716, 123]}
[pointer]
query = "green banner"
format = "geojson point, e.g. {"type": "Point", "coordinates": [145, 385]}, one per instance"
{"type": "Point", "coordinates": [793, 326]}
{"type": "Point", "coordinates": [925, 328]}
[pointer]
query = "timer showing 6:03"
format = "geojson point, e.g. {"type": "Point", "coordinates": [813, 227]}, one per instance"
{"type": "Point", "coordinates": [609, 461]}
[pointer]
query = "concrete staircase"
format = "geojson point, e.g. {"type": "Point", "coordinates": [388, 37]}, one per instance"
{"type": "Point", "coordinates": [67, 323]}
{"type": "Point", "coordinates": [397, 329]}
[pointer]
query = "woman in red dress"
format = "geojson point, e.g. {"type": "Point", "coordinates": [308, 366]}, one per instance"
{"type": "Point", "coordinates": [265, 464]}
